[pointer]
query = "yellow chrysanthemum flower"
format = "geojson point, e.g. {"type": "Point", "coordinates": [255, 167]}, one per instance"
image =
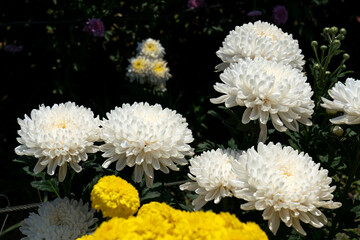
{"type": "Point", "coordinates": [115, 197]}
{"type": "Point", "coordinates": [86, 237]}
{"type": "Point", "coordinates": [159, 221]}
{"type": "Point", "coordinates": [147, 227]}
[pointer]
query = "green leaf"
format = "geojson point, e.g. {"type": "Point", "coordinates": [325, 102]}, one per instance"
{"type": "Point", "coordinates": [48, 185]}
{"type": "Point", "coordinates": [151, 196]}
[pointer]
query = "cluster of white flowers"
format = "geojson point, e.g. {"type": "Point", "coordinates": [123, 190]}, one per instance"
{"type": "Point", "coordinates": [286, 184]}
{"type": "Point", "coordinates": [148, 65]}
{"type": "Point", "coordinates": [263, 73]}
{"type": "Point", "coordinates": [61, 219]}
{"type": "Point", "coordinates": [143, 136]}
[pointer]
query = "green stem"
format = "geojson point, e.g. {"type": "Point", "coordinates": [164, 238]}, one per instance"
{"type": "Point", "coordinates": [54, 189]}
{"type": "Point", "coordinates": [15, 226]}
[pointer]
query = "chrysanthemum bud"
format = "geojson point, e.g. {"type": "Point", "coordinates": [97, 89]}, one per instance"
{"type": "Point", "coordinates": [316, 66]}
{"type": "Point", "coordinates": [338, 131]}
{"type": "Point", "coordinates": [334, 30]}
{"type": "Point", "coordinates": [314, 44]}
{"type": "Point", "coordinates": [326, 30]}
{"type": "Point", "coordinates": [323, 48]}
{"type": "Point", "coordinates": [342, 66]}
{"type": "Point", "coordinates": [327, 73]}
{"type": "Point", "coordinates": [340, 37]}
{"type": "Point", "coordinates": [346, 56]}
{"type": "Point", "coordinates": [342, 31]}
{"type": "Point", "coordinates": [336, 43]}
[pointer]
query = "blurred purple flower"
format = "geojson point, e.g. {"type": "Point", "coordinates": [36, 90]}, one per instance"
{"type": "Point", "coordinates": [95, 27]}
{"type": "Point", "coordinates": [280, 15]}
{"type": "Point", "coordinates": [255, 13]}
{"type": "Point", "coordinates": [13, 48]}
{"type": "Point", "coordinates": [196, 3]}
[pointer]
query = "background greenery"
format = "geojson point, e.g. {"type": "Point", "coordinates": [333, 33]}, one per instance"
{"type": "Point", "coordinates": [60, 62]}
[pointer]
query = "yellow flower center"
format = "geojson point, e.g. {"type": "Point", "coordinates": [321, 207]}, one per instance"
{"type": "Point", "coordinates": [149, 47]}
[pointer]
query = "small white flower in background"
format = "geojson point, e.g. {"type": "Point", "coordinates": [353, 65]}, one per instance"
{"type": "Point", "coordinates": [61, 219]}
{"type": "Point", "coordinates": [260, 39]}
{"type": "Point", "coordinates": [148, 65]}
{"type": "Point", "coordinates": [138, 69]}
{"type": "Point", "coordinates": [159, 73]}
{"type": "Point", "coordinates": [211, 173]}
{"type": "Point", "coordinates": [151, 48]}
{"type": "Point", "coordinates": [62, 134]}
{"type": "Point", "coordinates": [286, 184]}
{"type": "Point", "coordinates": [147, 137]}
{"type": "Point", "coordinates": [346, 98]}
{"type": "Point", "coordinates": [267, 89]}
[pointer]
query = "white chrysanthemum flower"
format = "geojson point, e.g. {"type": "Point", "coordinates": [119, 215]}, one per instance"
{"type": "Point", "coordinates": [138, 69]}
{"type": "Point", "coordinates": [64, 133]}
{"type": "Point", "coordinates": [147, 137]}
{"type": "Point", "coordinates": [151, 48]}
{"type": "Point", "coordinates": [260, 39]}
{"type": "Point", "coordinates": [267, 89]}
{"type": "Point", "coordinates": [286, 184]}
{"type": "Point", "coordinates": [346, 98]}
{"type": "Point", "coordinates": [211, 173]}
{"type": "Point", "coordinates": [159, 73]}
{"type": "Point", "coordinates": [61, 219]}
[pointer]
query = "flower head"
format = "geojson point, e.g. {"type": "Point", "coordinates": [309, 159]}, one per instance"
{"type": "Point", "coordinates": [115, 197]}
{"type": "Point", "coordinates": [196, 3]}
{"type": "Point", "coordinates": [346, 98]}
{"type": "Point", "coordinates": [211, 174]}
{"type": "Point", "coordinates": [260, 39]}
{"type": "Point", "coordinates": [284, 183]}
{"type": "Point", "coordinates": [95, 27]}
{"type": "Point", "coordinates": [151, 48]}
{"type": "Point", "coordinates": [267, 89]}
{"type": "Point", "coordinates": [153, 223]}
{"type": "Point", "coordinates": [280, 15]}
{"type": "Point", "coordinates": [61, 219]}
{"type": "Point", "coordinates": [159, 73]}
{"type": "Point", "coordinates": [138, 69]}
{"type": "Point", "coordinates": [147, 137]}
{"type": "Point", "coordinates": [62, 134]}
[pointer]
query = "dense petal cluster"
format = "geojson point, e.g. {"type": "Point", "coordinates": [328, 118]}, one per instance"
{"type": "Point", "coordinates": [61, 219]}
{"type": "Point", "coordinates": [346, 98]}
{"type": "Point", "coordinates": [260, 39]}
{"type": "Point", "coordinates": [148, 66]}
{"type": "Point", "coordinates": [211, 173]}
{"type": "Point", "coordinates": [115, 197]}
{"type": "Point", "coordinates": [57, 135]}
{"type": "Point", "coordinates": [152, 223]}
{"type": "Point", "coordinates": [284, 183]}
{"type": "Point", "coordinates": [267, 89]}
{"type": "Point", "coordinates": [147, 137]}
